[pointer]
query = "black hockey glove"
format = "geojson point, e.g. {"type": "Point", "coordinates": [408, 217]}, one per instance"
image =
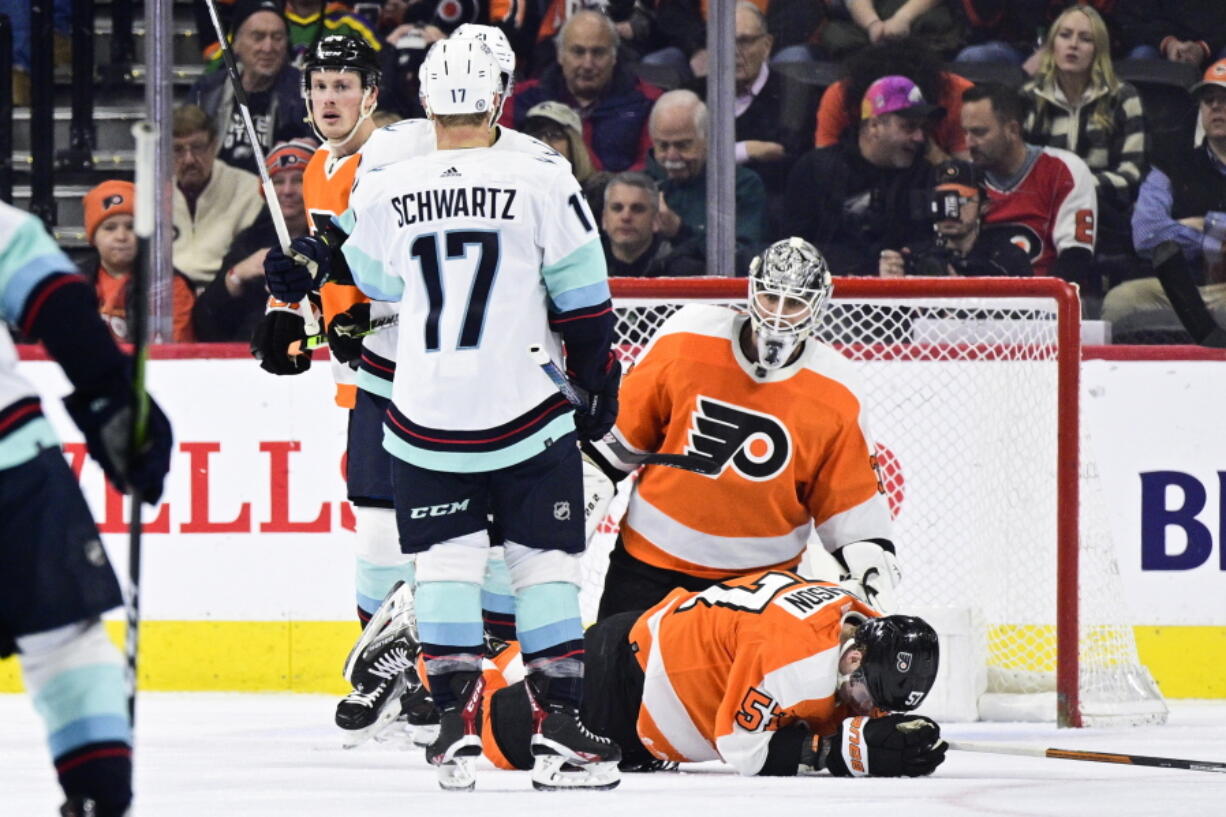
{"type": "Point", "coordinates": [271, 341]}
{"type": "Point", "coordinates": [598, 418]}
{"type": "Point", "coordinates": [345, 333]}
{"type": "Point", "coordinates": [291, 275]}
{"type": "Point", "coordinates": [893, 746]}
{"type": "Point", "coordinates": [105, 418]}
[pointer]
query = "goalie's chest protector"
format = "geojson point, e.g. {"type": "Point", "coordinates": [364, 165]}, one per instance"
{"type": "Point", "coordinates": [793, 446]}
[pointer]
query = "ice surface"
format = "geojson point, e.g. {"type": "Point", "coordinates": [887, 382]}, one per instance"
{"type": "Point", "coordinates": [271, 755]}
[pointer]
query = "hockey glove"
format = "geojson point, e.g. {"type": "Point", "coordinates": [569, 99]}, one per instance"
{"type": "Point", "coordinates": [105, 418]}
{"type": "Point", "coordinates": [892, 746]}
{"type": "Point", "coordinates": [345, 333]}
{"type": "Point", "coordinates": [601, 413]}
{"type": "Point", "coordinates": [271, 341]}
{"type": "Point", "coordinates": [871, 572]}
{"type": "Point", "coordinates": [291, 275]}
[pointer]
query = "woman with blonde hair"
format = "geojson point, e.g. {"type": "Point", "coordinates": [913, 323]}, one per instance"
{"type": "Point", "coordinates": [1076, 102]}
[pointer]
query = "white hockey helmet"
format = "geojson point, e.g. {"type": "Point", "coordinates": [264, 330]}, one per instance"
{"type": "Point", "coordinates": [789, 287]}
{"type": "Point", "coordinates": [460, 76]}
{"type": "Point", "coordinates": [498, 43]}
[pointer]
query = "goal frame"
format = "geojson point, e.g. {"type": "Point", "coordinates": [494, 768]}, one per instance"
{"type": "Point", "coordinates": [1068, 399]}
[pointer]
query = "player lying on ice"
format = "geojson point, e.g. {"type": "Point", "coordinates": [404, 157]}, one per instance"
{"type": "Point", "coordinates": [772, 673]}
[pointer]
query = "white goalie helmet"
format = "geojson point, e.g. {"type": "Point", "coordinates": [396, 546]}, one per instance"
{"type": "Point", "coordinates": [789, 287]}
{"type": "Point", "coordinates": [460, 76]}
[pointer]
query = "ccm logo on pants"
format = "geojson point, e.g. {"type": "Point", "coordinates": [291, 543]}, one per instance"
{"type": "Point", "coordinates": [438, 510]}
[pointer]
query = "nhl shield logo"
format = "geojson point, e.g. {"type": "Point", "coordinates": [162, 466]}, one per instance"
{"type": "Point", "coordinates": [904, 662]}
{"type": "Point", "coordinates": [561, 511]}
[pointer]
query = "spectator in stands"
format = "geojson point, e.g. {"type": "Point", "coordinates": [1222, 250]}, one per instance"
{"type": "Point", "coordinates": [633, 246]}
{"type": "Point", "coordinates": [840, 105]}
{"type": "Point", "coordinates": [558, 126]}
{"type": "Point", "coordinates": [272, 85]}
{"type": "Point", "coordinates": [960, 247]}
{"type": "Point", "coordinates": [213, 201]}
{"type": "Point", "coordinates": [876, 21]}
{"type": "Point", "coordinates": [678, 162]}
{"type": "Point", "coordinates": [866, 193]}
{"type": "Point", "coordinates": [308, 20]}
{"type": "Point", "coordinates": [1077, 103]}
{"type": "Point", "coordinates": [1183, 199]}
{"type": "Point", "coordinates": [108, 228]}
{"type": "Point", "coordinates": [1190, 31]}
{"type": "Point", "coordinates": [1005, 32]}
{"type": "Point", "coordinates": [233, 303]}
{"type": "Point", "coordinates": [1043, 197]}
{"type": "Point", "coordinates": [612, 103]}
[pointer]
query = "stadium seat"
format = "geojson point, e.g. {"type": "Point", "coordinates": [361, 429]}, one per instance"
{"type": "Point", "coordinates": [1004, 73]}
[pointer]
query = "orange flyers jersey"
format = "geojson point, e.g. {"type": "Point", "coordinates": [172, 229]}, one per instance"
{"type": "Point", "coordinates": [326, 183]}
{"type": "Point", "coordinates": [726, 667]}
{"type": "Point", "coordinates": [793, 446]}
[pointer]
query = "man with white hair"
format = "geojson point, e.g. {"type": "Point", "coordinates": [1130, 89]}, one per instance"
{"type": "Point", "coordinates": [611, 101]}
{"type": "Point", "coordinates": [678, 161]}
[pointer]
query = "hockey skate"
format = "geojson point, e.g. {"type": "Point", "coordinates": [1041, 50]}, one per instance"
{"type": "Point", "coordinates": [421, 716]}
{"type": "Point", "coordinates": [381, 668]}
{"type": "Point", "coordinates": [568, 756]}
{"type": "Point", "coordinates": [455, 750]}
{"type": "Point", "coordinates": [83, 807]}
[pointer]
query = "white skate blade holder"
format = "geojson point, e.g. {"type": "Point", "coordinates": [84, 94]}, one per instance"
{"type": "Point", "coordinates": [458, 774]}
{"type": "Point", "coordinates": [556, 773]}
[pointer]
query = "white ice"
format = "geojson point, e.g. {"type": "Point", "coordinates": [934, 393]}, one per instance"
{"type": "Point", "coordinates": [269, 755]}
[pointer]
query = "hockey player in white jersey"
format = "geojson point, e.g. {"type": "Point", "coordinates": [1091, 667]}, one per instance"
{"type": "Point", "coordinates": [489, 252]}
{"type": "Point", "coordinates": [55, 580]}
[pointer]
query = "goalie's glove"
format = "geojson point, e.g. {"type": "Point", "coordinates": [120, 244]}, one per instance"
{"type": "Point", "coordinates": [871, 572]}
{"type": "Point", "coordinates": [598, 418]}
{"type": "Point", "coordinates": [105, 419]}
{"type": "Point", "coordinates": [892, 746]}
{"type": "Point", "coordinates": [598, 491]}
{"type": "Point", "coordinates": [345, 333]}
{"type": "Point", "coordinates": [272, 338]}
{"type": "Point", "coordinates": [292, 274]}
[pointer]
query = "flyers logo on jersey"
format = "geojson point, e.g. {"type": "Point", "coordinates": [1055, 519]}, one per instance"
{"type": "Point", "coordinates": [757, 445]}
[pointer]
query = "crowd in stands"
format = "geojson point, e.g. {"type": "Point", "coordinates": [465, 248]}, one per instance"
{"type": "Point", "coordinates": [902, 137]}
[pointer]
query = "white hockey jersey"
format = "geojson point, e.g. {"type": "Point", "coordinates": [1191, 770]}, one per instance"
{"type": "Point", "coordinates": [28, 256]}
{"type": "Point", "coordinates": [479, 246]}
{"type": "Point", "coordinates": [398, 142]}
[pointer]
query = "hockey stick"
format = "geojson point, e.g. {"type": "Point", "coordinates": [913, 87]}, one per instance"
{"type": "Point", "coordinates": [578, 399]}
{"type": "Point", "coordinates": [310, 323]}
{"type": "Point", "coordinates": [321, 340]}
{"type": "Point", "coordinates": [145, 136]}
{"type": "Point", "coordinates": [1172, 270]}
{"type": "Point", "coordinates": [1094, 757]}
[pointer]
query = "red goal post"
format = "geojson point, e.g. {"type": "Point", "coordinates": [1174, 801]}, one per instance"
{"type": "Point", "coordinates": [919, 343]}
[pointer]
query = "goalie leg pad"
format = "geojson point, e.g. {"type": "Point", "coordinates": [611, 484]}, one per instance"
{"type": "Point", "coordinates": [598, 491]}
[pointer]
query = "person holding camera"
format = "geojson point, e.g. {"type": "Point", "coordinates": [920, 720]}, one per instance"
{"type": "Point", "coordinates": [959, 246]}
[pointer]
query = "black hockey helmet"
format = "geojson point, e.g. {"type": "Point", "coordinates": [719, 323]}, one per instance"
{"type": "Point", "coordinates": [341, 51]}
{"type": "Point", "coordinates": [900, 660]}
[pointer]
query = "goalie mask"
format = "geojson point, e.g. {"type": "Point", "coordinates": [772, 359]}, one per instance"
{"type": "Point", "coordinates": [459, 77]}
{"type": "Point", "coordinates": [789, 286]}
{"type": "Point", "coordinates": [500, 46]}
{"type": "Point", "coordinates": [339, 52]}
{"type": "Point", "coordinates": [898, 667]}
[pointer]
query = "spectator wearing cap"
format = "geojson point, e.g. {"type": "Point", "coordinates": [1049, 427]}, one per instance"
{"type": "Point", "coordinates": [1187, 31]}
{"type": "Point", "coordinates": [108, 227]}
{"type": "Point", "coordinates": [272, 86]}
{"type": "Point", "coordinates": [613, 104]}
{"type": "Point", "coordinates": [865, 193]}
{"type": "Point", "coordinates": [558, 126]}
{"type": "Point", "coordinates": [1183, 199]}
{"type": "Point", "coordinates": [213, 201]}
{"type": "Point", "coordinates": [959, 246]}
{"type": "Point", "coordinates": [233, 303]}
{"type": "Point", "coordinates": [678, 162]}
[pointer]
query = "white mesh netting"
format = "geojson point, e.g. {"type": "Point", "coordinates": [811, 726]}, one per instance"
{"type": "Point", "coordinates": [962, 400]}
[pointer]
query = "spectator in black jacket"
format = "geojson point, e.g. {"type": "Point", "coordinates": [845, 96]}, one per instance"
{"type": "Point", "coordinates": [1191, 31]}
{"type": "Point", "coordinates": [630, 233]}
{"type": "Point", "coordinates": [867, 192]}
{"type": "Point", "coordinates": [229, 308]}
{"type": "Point", "coordinates": [273, 87]}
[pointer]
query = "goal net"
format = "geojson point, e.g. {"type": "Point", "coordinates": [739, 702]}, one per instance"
{"type": "Point", "coordinates": [972, 394]}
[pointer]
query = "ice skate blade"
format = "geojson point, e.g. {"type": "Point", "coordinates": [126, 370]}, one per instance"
{"type": "Point", "coordinates": [457, 775]}
{"type": "Point", "coordinates": [352, 738]}
{"type": "Point", "coordinates": [554, 773]}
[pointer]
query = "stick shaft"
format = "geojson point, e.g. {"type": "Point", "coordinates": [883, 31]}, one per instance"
{"type": "Point", "coordinates": [1092, 757]}
{"type": "Point", "coordinates": [270, 192]}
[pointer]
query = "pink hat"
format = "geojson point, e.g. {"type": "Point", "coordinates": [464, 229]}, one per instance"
{"type": "Point", "coordinates": [896, 94]}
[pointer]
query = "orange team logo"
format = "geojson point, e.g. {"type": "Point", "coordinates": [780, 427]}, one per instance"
{"type": "Point", "coordinates": [758, 446]}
